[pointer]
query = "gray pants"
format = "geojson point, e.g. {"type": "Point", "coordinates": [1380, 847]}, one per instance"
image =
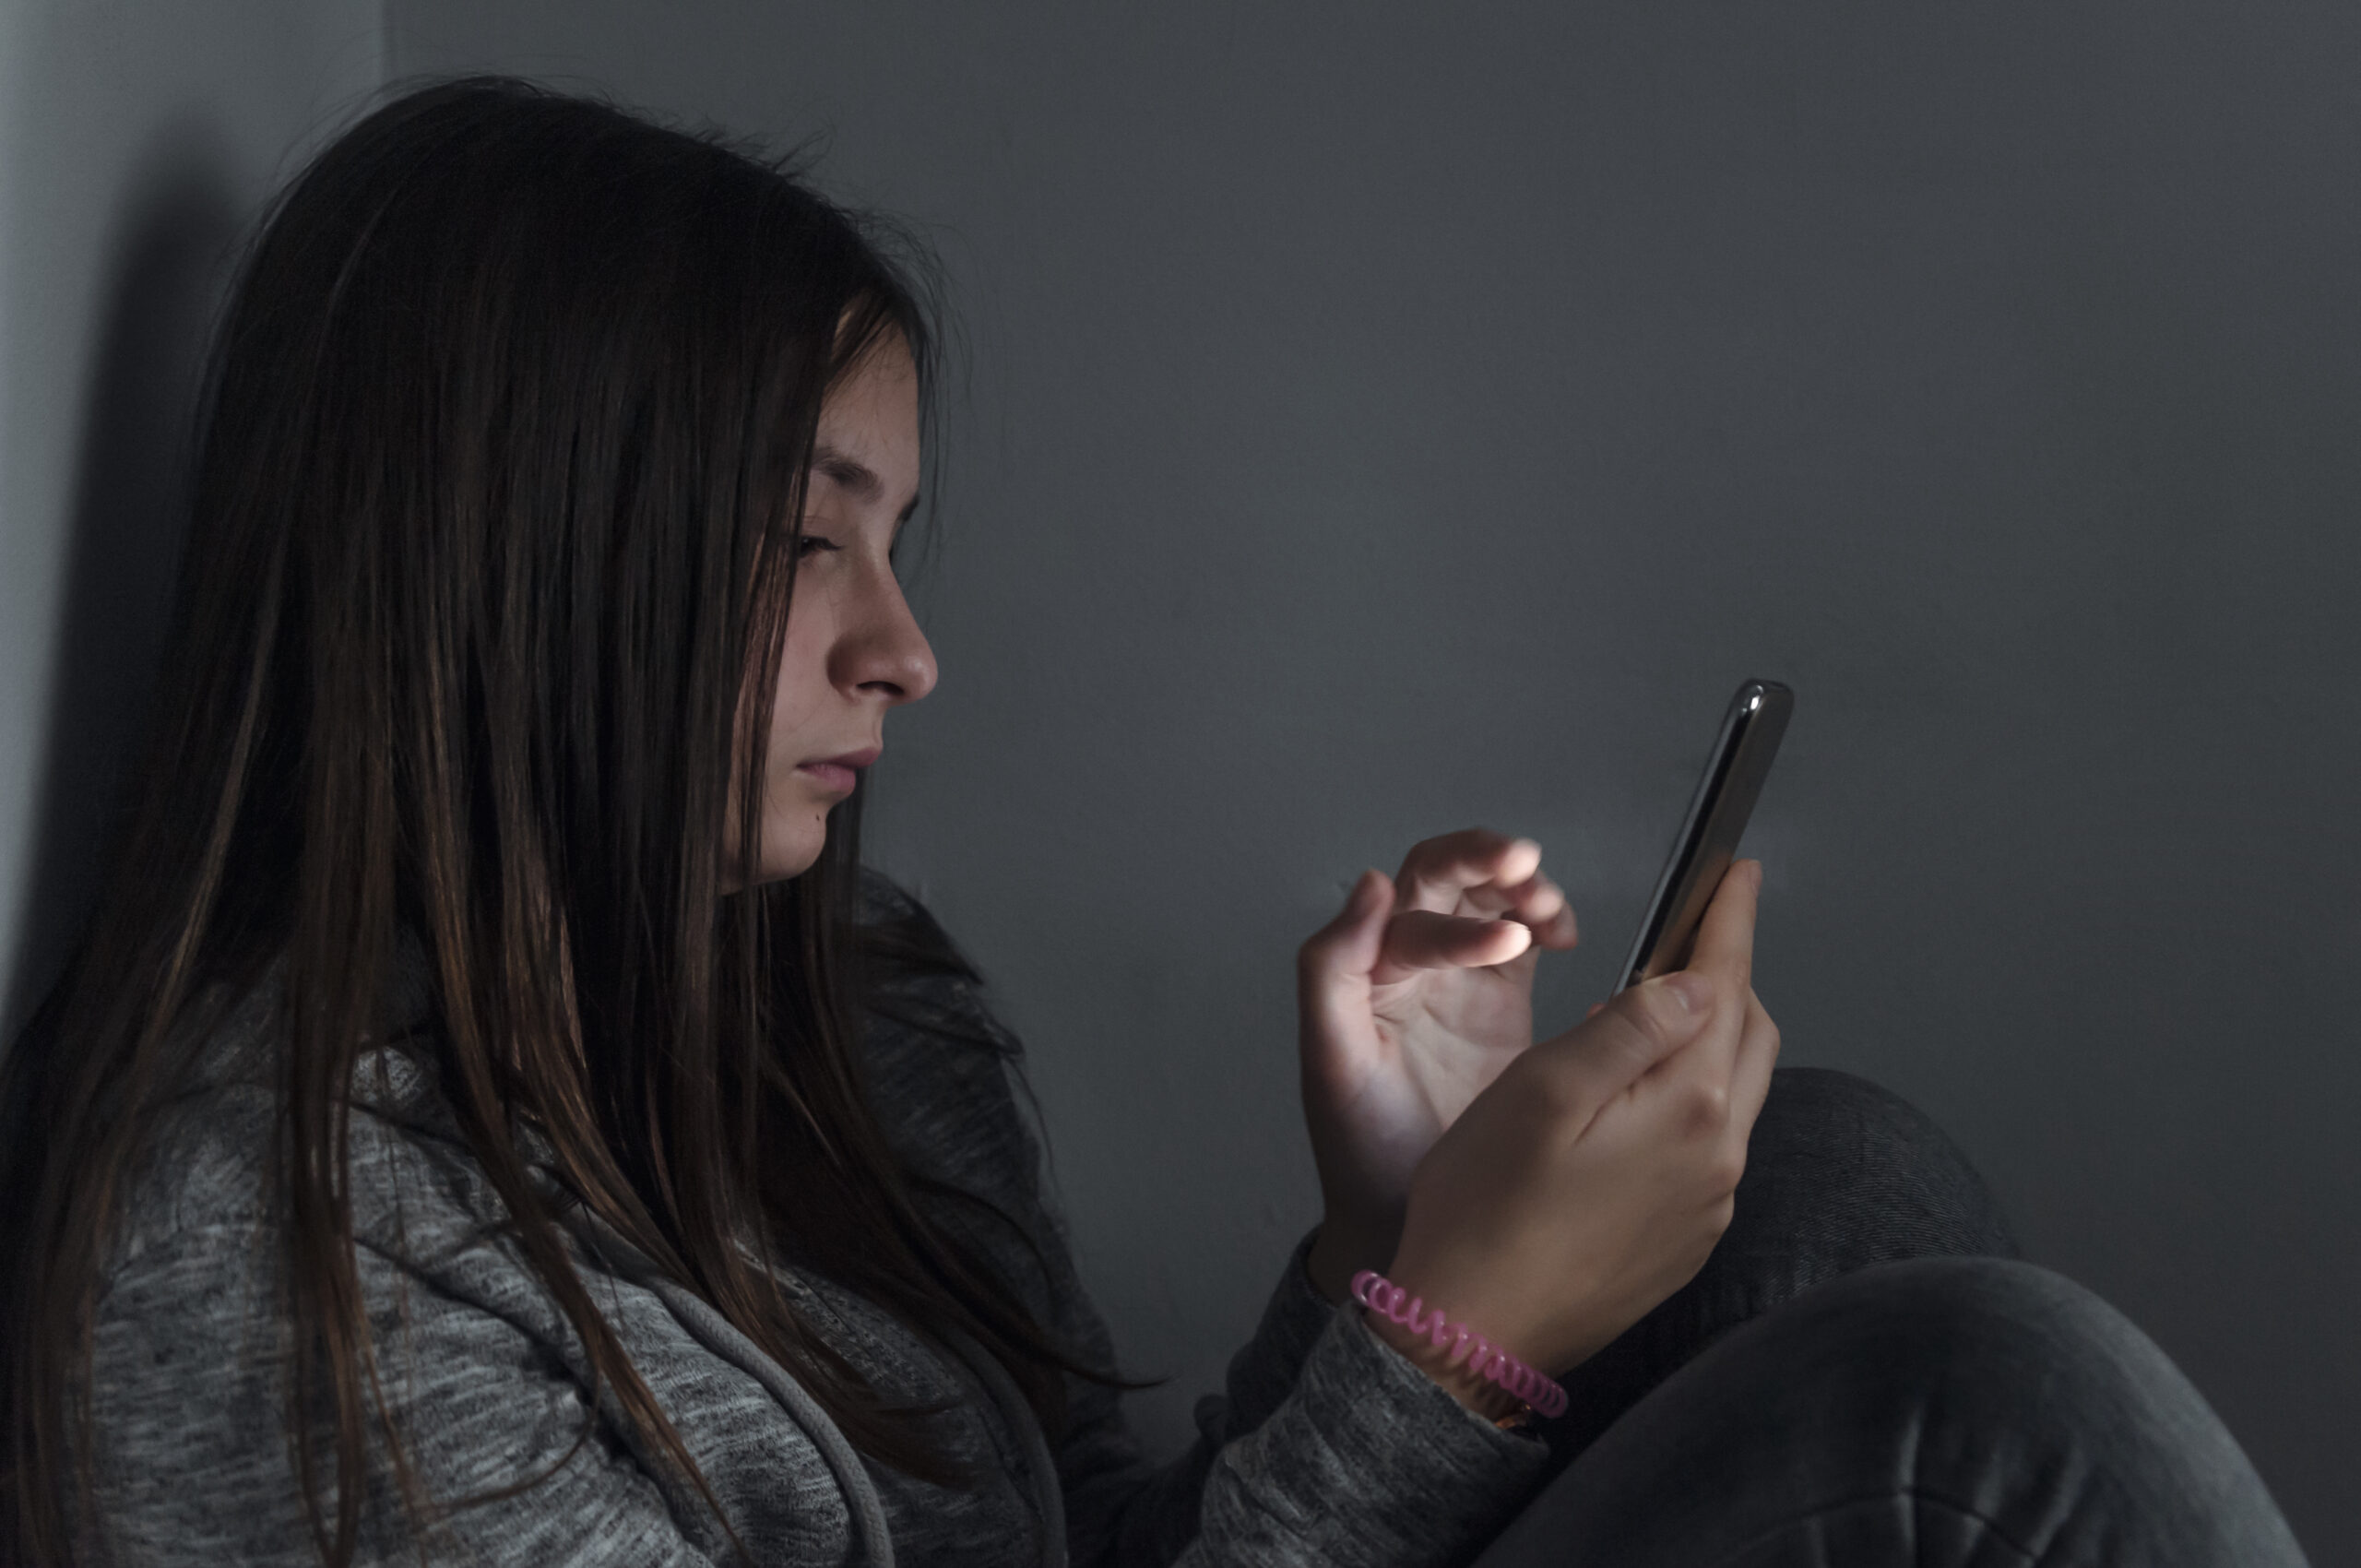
{"type": "Point", "coordinates": [1866, 1372]}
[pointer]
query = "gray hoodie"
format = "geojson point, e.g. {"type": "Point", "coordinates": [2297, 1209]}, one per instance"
{"type": "Point", "coordinates": [1329, 1448]}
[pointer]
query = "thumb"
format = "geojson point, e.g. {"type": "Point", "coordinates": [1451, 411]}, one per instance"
{"type": "Point", "coordinates": [1348, 946]}
{"type": "Point", "coordinates": [1638, 1028]}
{"type": "Point", "coordinates": [1360, 925]}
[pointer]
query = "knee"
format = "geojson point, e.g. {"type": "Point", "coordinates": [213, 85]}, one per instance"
{"type": "Point", "coordinates": [2033, 1391]}
{"type": "Point", "coordinates": [1988, 1342]}
{"type": "Point", "coordinates": [1970, 1313]}
{"type": "Point", "coordinates": [1837, 1115]}
{"type": "Point", "coordinates": [1997, 1386]}
{"type": "Point", "coordinates": [1967, 1352]}
{"type": "Point", "coordinates": [1846, 1171]}
{"type": "Point", "coordinates": [1999, 1344]}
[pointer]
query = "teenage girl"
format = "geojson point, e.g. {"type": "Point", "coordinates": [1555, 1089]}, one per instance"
{"type": "Point", "coordinates": [492, 1115]}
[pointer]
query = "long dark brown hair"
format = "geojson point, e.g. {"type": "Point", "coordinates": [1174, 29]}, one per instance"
{"type": "Point", "coordinates": [493, 525]}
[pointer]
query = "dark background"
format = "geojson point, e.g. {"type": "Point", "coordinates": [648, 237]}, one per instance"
{"type": "Point", "coordinates": [1378, 419]}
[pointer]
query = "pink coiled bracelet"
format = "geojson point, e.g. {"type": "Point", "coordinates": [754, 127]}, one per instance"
{"type": "Point", "coordinates": [1378, 1294]}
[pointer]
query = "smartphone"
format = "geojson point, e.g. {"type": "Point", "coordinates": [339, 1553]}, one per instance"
{"type": "Point", "coordinates": [1707, 842]}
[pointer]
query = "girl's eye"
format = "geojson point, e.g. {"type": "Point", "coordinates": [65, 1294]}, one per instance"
{"type": "Point", "coordinates": [810, 542]}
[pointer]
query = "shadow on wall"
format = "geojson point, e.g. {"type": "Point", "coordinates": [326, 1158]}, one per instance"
{"type": "Point", "coordinates": [166, 259]}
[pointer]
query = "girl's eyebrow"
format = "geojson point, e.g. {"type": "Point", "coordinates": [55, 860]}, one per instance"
{"type": "Point", "coordinates": [855, 476]}
{"type": "Point", "coordinates": [848, 471]}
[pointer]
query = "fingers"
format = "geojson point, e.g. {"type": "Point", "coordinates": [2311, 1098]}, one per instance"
{"type": "Point", "coordinates": [1537, 903]}
{"type": "Point", "coordinates": [1437, 871]}
{"type": "Point", "coordinates": [1420, 940]}
{"type": "Point", "coordinates": [1470, 899]}
{"type": "Point", "coordinates": [1477, 871]}
{"type": "Point", "coordinates": [1367, 943]}
{"type": "Point", "coordinates": [1724, 948]}
{"type": "Point", "coordinates": [1758, 1052]}
{"type": "Point", "coordinates": [1720, 966]}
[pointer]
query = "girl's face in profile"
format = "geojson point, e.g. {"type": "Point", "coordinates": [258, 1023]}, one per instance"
{"type": "Point", "coordinates": [853, 650]}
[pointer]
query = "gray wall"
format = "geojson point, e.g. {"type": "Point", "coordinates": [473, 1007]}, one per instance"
{"type": "Point", "coordinates": [136, 140]}
{"type": "Point", "coordinates": [1382, 425]}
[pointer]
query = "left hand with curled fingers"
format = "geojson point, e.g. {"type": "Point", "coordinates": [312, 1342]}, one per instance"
{"type": "Point", "coordinates": [1409, 1003]}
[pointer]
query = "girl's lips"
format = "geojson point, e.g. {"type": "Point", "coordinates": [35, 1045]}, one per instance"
{"type": "Point", "coordinates": [834, 775]}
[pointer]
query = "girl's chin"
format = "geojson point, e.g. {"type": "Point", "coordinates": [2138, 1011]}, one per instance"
{"type": "Point", "coordinates": [783, 868]}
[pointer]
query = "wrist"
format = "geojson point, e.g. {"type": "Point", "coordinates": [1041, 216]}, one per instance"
{"type": "Point", "coordinates": [1481, 1372]}
{"type": "Point", "coordinates": [1480, 1394]}
{"type": "Point", "coordinates": [1341, 1250]}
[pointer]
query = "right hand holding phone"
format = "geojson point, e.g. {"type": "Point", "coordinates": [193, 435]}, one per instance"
{"type": "Point", "coordinates": [1594, 1177]}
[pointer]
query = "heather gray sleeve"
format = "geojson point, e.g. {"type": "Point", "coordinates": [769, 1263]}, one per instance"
{"type": "Point", "coordinates": [1365, 1463]}
{"type": "Point", "coordinates": [194, 1468]}
{"type": "Point", "coordinates": [190, 1377]}
{"type": "Point", "coordinates": [1329, 1448]}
